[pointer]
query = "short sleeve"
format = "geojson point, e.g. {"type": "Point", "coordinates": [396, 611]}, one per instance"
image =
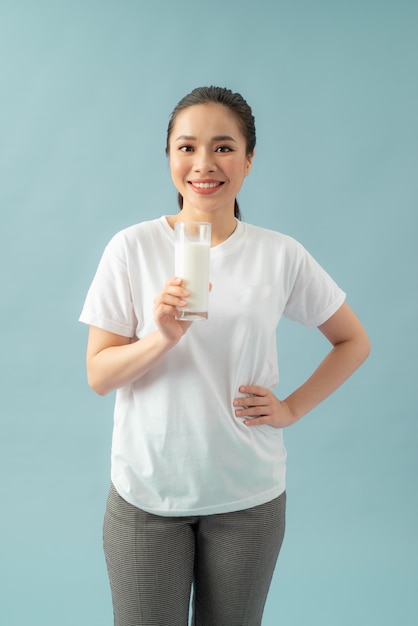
{"type": "Point", "coordinates": [108, 304]}
{"type": "Point", "coordinates": [314, 295]}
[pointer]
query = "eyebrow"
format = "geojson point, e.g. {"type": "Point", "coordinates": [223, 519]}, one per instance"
{"type": "Point", "coordinates": [216, 138]}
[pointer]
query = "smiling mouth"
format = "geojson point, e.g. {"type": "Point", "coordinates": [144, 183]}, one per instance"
{"type": "Point", "coordinates": [212, 185]}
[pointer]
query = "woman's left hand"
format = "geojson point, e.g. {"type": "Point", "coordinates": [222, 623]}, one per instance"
{"type": "Point", "coordinates": [262, 407]}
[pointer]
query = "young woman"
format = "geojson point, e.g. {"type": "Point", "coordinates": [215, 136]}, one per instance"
{"type": "Point", "coordinates": [197, 496]}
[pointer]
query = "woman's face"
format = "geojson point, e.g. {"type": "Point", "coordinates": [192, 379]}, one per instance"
{"type": "Point", "coordinates": [208, 158]}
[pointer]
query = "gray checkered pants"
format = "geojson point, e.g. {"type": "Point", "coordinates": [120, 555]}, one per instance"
{"type": "Point", "coordinates": [228, 559]}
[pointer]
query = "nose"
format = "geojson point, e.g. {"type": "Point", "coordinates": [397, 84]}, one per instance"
{"type": "Point", "coordinates": [204, 161]}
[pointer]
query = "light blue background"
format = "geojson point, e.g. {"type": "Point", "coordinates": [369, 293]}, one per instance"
{"type": "Point", "coordinates": [86, 91]}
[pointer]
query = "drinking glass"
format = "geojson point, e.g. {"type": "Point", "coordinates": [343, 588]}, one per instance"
{"type": "Point", "coordinates": [191, 263]}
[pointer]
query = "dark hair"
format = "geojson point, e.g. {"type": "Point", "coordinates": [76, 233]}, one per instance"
{"type": "Point", "coordinates": [234, 102]}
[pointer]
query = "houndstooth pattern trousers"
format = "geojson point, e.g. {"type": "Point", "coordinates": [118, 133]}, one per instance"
{"type": "Point", "coordinates": [154, 562]}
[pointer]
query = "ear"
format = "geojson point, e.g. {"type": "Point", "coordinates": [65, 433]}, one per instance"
{"type": "Point", "coordinates": [249, 163]}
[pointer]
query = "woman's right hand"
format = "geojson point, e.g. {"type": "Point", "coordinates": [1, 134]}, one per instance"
{"type": "Point", "coordinates": [172, 296]}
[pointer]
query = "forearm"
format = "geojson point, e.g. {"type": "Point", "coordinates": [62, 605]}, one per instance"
{"type": "Point", "coordinates": [333, 371]}
{"type": "Point", "coordinates": [116, 366]}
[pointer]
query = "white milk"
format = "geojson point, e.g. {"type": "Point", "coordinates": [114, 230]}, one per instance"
{"type": "Point", "coordinates": [191, 261]}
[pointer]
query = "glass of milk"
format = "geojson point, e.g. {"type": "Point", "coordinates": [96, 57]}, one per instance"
{"type": "Point", "coordinates": [191, 263]}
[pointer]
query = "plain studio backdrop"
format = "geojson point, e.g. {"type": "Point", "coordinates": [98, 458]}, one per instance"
{"type": "Point", "coordinates": [86, 91]}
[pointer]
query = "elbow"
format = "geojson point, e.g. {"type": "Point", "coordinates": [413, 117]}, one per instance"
{"type": "Point", "coordinates": [368, 349]}
{"type": "Point", "coordinates": [358, 349]}
{"type": "Point", "coordinates": [97, 377]}
{"type": "Point", "coordinates": [100, 391]}
{"type": "Point", "coordinates": [363, 348]}
{"type": "Point", "coordinates": [97, 385]}
{"type": "Point", "coordinates": [366, 346]}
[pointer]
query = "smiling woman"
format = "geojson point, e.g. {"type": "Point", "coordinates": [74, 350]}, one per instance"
{"type": "Point", "coordinates": [234, 104]}
{"type": "Point", "coordinates": [209, 161]}
{"type": "Point", "coordinates": [198, 491]}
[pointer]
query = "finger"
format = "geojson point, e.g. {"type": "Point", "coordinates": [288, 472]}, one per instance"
{"type": "Point", "coordinates": [253, 389]}
{"type": "Point", "coordinates": [175, 290]}
{"type": "Point", "coordinates": [163, 310]}
{"type": "Point", "coordinates": [257, 421]}
{"type": "Point", "coordinates": [251, 401]}
{"type": "Point", "coordinates": [172, 294]}
{"type": "Point", "coordinates": [175, 280]}
{"type": "Point", "coordinates": [169, 300]}
{"type": "Point", "coordinates": [253, 411]}
{"type": "Point", "coordinates": [175, 285]}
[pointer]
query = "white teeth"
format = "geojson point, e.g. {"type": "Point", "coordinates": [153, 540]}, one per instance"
{"type": "Point", "coordinates": [206, 185]}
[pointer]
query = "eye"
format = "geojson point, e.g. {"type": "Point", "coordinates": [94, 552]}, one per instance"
{"type": "Point", "coordinates": [223, 149]}
{"type": "Point", "coordinates": [185, 148]}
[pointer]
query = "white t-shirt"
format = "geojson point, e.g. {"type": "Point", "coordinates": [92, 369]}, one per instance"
{"type": "Point", "coordinates": [177, 447]}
